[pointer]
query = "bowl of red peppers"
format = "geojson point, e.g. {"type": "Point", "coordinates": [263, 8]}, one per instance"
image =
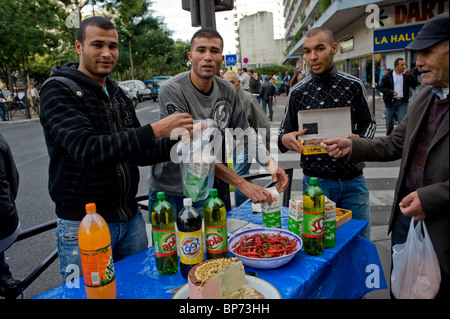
{"type": "Point", "coordinates": [265, 248]}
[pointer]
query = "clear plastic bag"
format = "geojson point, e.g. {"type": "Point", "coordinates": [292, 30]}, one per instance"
{"type": "Point", "coordinates": [197, 160]}
{"type": "Point", "coordinates": [416, 272]}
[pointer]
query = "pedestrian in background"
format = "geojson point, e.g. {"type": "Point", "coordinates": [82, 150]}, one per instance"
{"type": "Point", "coordinates": [298, 76]}
{"type": "Point", "coordinates": [266, 93]}
{"type": "Point", "coordinates": [395, 87]}
{"type": "Point", "coordinates": [255, 84]}
{"type": "Point", "coordinates": [287, 82]}
{"type": "Point", "coordinates": [245, 79]}
{"type": "Point", "coordinates": [32, 95]}
{"type": "Point", "coordinates": [421, 141]}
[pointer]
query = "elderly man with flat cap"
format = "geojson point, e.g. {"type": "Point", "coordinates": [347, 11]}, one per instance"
{"type": "Point", "coordinates": [422, 143]}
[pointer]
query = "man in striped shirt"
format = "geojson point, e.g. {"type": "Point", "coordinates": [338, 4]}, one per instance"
{"type": "Point", "coordinates": [325, 87]}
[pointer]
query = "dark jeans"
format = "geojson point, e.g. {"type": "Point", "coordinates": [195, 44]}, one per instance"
{"type": "Point", "coordinates": [3, 111]}
{"type": "Point", "coordinates": [269, 102]}
{"type": "Point", "coordinates": [399, 106]}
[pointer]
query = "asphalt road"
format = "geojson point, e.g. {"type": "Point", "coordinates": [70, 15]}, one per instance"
{"type": "Point", "coordinates": [35, 206]}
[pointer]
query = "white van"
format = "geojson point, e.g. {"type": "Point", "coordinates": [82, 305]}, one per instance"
{"type": "Point", "coordinates": [139, 88]}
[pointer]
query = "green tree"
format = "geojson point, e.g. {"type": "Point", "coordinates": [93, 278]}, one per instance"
{"type": "Point", "coordinates": [28, 28]}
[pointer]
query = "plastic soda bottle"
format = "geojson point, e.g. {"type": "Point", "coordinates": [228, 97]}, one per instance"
{"type": "Point", "coordinates": [164, 238]}
{"type": "Point", "coordinates": [94, 241]}
{"type": "Point", "coordinates": [215, 218]}
{"type": "Point", "coordinates": [190, 237]}
{"type": "Point", "coordinates": [313, 218]}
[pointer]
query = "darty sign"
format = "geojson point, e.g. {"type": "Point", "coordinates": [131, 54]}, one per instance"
{"type": "Point", "coordinates": [413, 12]}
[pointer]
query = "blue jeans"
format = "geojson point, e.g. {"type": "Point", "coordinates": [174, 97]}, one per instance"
{"type": "Point", "coordinates": [351, 194]}
{"type": "Point", "coordinates": [3, 111]}
{"type": "Point", "coordinates": [269, 102]}
{"type": "Point", "coordinates": [175, 201]}
{"type": "Point", "coordinates": [127, 238]}
{"type": "Point", "coordinates": [398, 106]}
{"type": "Point", "coordinates": [241, 163]}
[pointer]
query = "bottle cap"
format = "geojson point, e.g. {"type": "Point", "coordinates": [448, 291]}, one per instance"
{"type": "Point", "coordinates": [313, 181]}
{"type": "Point", "coordinates": [187, 201]}
{"type": "Point", "coordinates": [160, 195]}
{"type": "Point", "coordinates": [213, 192]}
{"type": "Point", "coordinates": [90, 208]}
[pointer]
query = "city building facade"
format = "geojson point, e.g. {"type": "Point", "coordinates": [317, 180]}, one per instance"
{"type": "Point", "coordinates": [370, 34]}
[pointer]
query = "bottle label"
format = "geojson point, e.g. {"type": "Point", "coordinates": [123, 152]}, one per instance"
{"type": "Point", "coordinates": [165, 242]}
{"type": "Point", "coordinates": [191, 247]}
{"type": "Point", "coordinates": [98, 266]}
{"type": "Point", "coordinates": [216, 239]}
{"type": "Point", "coordinates": [313, 224]}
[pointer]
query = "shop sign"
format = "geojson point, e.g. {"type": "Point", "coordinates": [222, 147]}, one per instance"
{"type": "Point", "coordinates": [394, 38]}
{"type": "Point", "coordinates": [412, 12]}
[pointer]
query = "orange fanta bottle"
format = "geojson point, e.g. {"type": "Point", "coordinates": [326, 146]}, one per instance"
{"type": "Point", "coordinates": [94, 241]}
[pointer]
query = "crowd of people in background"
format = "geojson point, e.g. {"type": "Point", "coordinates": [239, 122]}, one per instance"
{"type": "Point", "coordinates": [266, 87]}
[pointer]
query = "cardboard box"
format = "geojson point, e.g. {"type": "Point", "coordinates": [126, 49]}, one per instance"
{"type": "Point", "coordinates": [342, 216]}
{"type": "Point", "coordinates": [309, 150]}
{"type": "Point", "coordinates": [295, 222]}
{"type": "Point", "coordinates": [271, 214]}
{"type": "Point", "coordinates": [330, 223]}
{"type": "Point", "coordinates": [322, 124]}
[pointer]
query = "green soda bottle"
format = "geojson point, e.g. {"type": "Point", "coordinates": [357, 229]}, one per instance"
{"type": "Point", "coordinates": [215, 219]}
{"type": "Point", "coordinates": [313, 218]}
{"type": "Point", "coordinates": [163, 233]}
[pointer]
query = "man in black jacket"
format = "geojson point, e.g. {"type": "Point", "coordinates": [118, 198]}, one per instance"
{"type": "Point", "coordinates": [266, 93]}
{"type": "Point", "coordinates": [324, 88]}
{"type": "Point", "coordinates": [95, 143]}
{"type": "Point", "coordinates": [9, 219]}
{"type": "Point", "coordinates": [395, 88]}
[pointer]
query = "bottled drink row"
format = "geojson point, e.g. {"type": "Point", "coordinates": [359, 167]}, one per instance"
{"type": "Point", "coordinates": [190, 234]}
{"type": "Point", "coordinates": [95, 241]}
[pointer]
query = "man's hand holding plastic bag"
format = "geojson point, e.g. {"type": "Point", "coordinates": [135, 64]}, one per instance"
{"type": "Point", "coordinates": [197, 160]}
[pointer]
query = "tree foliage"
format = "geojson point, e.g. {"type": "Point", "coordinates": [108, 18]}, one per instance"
{"type": "Point", "coordinates": [274, 69]}
{"type": "Point", "coordinates": [35, 35]}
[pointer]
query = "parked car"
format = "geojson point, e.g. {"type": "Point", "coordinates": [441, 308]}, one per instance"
{"type": "Point", "coordinates": [131, 95]}
{"type": "Point", "coordinates": [4, 93]}
{"type": "Point", "coordinates": [157, 82]}
{"type": "Point", "coordinates": [138, 88]}
{"type": "Point", "coordinates": [149, 84]}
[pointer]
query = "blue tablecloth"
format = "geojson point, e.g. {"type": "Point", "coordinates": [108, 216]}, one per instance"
{"type": "Point", "coordinates": [349, 270]}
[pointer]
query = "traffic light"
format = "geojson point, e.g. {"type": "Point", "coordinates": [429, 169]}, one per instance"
{"type": "Point", "coordinates": [220, 5]}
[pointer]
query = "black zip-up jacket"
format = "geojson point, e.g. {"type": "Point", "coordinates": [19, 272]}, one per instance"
{"type": "Point", "coordinates": [9, 185]}
{"type": "Point", "coordinates": [331, 90]}
{"type": "Point", "coordinates": [95, 143]}
{"type": "Point", "coordinates": [386, 87]}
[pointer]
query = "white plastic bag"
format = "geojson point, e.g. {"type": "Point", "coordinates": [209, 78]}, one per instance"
{"type": "Point", "coordinates": [416, 273]}
{"type": "Point", "coordinates": [197, 160]}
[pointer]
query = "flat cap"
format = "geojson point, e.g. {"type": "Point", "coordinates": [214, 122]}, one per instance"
{"type": "Point", "coordinates": [433, 31]}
